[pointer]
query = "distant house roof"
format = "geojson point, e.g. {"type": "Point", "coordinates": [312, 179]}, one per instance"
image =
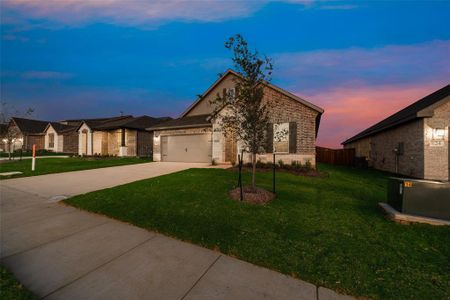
{"type": "Point", "coordinates": [139, 123]}
{"type": "Point", "coordinates": [30, 126]}
{"type": "Point", "coordinates": [61, 128]}
{"type": "Point", "coordinates": [229, 71]}
{"type": "Point", "coordinates": [130, 122]}
{"type": "Point", "coordinates": [184, 122]}
{"type": "Point", "coordinates": [419, 109]}
{"type": "Point", "coordinates": [94, 123]}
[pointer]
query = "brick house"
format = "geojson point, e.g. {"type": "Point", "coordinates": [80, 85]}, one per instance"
{"type": "Point", "coordinates": [197, 137]}
{"type": "Point", "coordinates": [27, 132]}
{"type": "Point", "coordinates": [412, 142]}
{"type": "Point", "coordinates": [60, 137]}
{"type": "Point", "coordinates": [118, 136]}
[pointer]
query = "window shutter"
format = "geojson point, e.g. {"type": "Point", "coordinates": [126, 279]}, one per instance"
{"type": "Point", "coordinates": [224, 93]}
{"type": "Point", "coordinates": [292, 137]}
{"type": "Point", "coordinates": [269, 142]}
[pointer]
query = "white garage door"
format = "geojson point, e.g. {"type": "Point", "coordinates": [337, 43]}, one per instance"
{"type": "Point", "coordinates": [186, 148]}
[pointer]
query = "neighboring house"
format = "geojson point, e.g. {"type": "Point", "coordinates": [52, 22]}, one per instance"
{"type": "Point", "coordinates": [118, 136]}
{"type": "Point", "coordinates": [61, 138]}
{"type": "Point", "coordinates": [196, 137]}
{"type": "Point", "coordinates": [3, 135]}
{"type": "Point", "coordinates": [412, 142]}
{"type": "Point", "coordinates": [28, 132]}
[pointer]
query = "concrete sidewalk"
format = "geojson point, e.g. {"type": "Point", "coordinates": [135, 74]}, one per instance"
{"type": "Point", "coordinates": [60, 252]}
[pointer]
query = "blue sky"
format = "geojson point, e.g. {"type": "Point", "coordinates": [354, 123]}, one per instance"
{"type": "Point", "coordinates": [360, 60]}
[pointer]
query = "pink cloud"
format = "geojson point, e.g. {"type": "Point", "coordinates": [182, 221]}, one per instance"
{"type": "Point", "coordinates": [349, 110]}
{"type": "Point", "coordinates": [134, 12]}
{"type": "Point", "coordinates": [46, 75]}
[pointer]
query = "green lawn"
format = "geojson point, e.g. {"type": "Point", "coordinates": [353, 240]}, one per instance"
{"type": "Point", "coordinates": [58, 165]}
{"type": "Point", "coordinates": [328, 231]}
{"type": "Point", "coordinates": [11, 289]}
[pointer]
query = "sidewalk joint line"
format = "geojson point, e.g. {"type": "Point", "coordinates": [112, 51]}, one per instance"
{"type": "Point", "coordinates": [98, 267]}
{"type": "Point", "coordinates": [55, 240]}
{"type": "Point", "coordinates": [200, 278]}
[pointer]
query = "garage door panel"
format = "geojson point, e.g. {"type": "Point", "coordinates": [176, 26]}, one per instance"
{"type": "Point", "coordinates": [187, 148]}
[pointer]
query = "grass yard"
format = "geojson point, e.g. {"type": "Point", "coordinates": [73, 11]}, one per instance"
{"type": "Point", "coordinates": [328, 231]}
{"type": "Point", "coordinates": [11, 289]}
{"type": "Point", "coordinates": [58, 165]}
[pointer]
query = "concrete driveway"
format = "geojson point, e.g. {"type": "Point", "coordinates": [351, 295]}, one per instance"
{"type": "Point", "coordinates": [60, 252]}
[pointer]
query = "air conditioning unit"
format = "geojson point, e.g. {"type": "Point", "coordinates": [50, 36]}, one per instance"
{"type": "Point", "coordinates": [420, 197]}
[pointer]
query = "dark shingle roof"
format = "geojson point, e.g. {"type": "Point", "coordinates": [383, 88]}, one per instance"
{"type": "Point", "coordinates": [184, 122]}
{"type": "Point", "coordinates": [407, 114]}
{"type": "Point", "coordinates": [94, 123]}
{"type": "Point", "coordinates": [62, 128]}
{"type": "Point", "coordinates": [140, 123]}
{"type": "Point", "coordinates": [30, 126]}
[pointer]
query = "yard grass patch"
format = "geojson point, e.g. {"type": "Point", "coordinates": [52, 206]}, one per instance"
{"type": "Point", "coordinates": [58, 165]}
{"type": "Point", "coordinates": [11, 289]}
{"type": "Point", "coordinates": [328, 231]}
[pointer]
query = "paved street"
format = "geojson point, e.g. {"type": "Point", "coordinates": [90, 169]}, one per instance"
{"type": "Point", "coordinates": [60, 252]}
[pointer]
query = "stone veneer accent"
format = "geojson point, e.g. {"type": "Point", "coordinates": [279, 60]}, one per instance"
{"type": "Point", "coordinates": [436, 160]}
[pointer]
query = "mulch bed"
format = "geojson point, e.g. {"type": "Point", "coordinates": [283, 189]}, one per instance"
{"type": "Point", "coordinates": [252, 195]}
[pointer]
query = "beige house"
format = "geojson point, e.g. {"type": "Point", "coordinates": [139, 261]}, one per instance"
{"type": "Point", "coordinates": [61, 138]}
{"type": "Point", "coordinates": [26, 133]}
{"type": "Point", "coordinates": [117, 136]}
{"type": "Point", "coordinates": [412, 142]}
{"type": "Point", "coordinates": [196, 137]}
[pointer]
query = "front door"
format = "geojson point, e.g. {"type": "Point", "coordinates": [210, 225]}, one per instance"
{"type": "Point", "coordinates": [230, 149]}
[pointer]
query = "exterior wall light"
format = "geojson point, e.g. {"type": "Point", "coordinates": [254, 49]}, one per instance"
{"type": "Point", "coordinates": [438, 133]}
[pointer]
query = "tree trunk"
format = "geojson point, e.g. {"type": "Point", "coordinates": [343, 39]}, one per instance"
{"type": "Point", "coordinates": [253, 171]}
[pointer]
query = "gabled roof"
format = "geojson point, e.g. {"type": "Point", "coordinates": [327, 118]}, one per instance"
{"type": "Point", "coordinates": [184, 122]}
{"type": "Point", "coordinates": [231, 72]}
{"type": "Point", "coordinates": [61, 128]}
{"type": "Point", "coordinates": [30, 126]}
{"type": "Point", "coordinates": [94, 123]}
{"type": "Point", "coordinates": [419, 109]}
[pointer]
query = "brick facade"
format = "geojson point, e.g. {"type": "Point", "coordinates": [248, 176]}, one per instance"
{"type": "Point", "coordinates": [424, 156]}
{"type": "Point", "coordinates": [283, 109]}
{"type": "Point", "coordinates": [70, 143]}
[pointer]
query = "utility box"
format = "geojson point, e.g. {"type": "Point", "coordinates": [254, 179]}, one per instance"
{"type": "Point", "coordinates": [420, 197]}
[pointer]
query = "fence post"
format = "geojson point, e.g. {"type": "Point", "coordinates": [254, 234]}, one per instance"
{"type": "Point", "coordinates": [273, 167]}
{"type": "Point", "coordinates": [33, 159]}
{"type": "Point", "coordinates": [240, 176]}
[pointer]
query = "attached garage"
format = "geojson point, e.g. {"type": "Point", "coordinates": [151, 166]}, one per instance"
{"type": "Point", "coordinates": [186, 148]}
{"type": "Point", "coordinates": [183, 140]}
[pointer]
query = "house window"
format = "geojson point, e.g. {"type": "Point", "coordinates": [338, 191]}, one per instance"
{"type": "Point", "coordinates": [281, 138]}
{"type": "Point", "coordinates": [231, 93]}
{"type": "Point", "coordinates": [51, 140]}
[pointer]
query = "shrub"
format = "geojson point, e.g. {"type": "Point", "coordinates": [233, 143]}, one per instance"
{"type": "Point", "coordinates": [214, 162]}
{"type": "Point", "coordinates": [308, 165]}
{"type": "Point", "coordinates": [281, 163]}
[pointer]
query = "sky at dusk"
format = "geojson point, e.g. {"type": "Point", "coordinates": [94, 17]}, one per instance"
{"type": "Point", "coordinates": [360, 61]}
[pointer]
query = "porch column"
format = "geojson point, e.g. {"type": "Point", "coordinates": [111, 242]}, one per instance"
{"type": "Point", "coordinates": [123, 147]}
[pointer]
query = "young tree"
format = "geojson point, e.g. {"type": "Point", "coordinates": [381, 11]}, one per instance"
{"type": "Point", "coordinates": [245, 115]}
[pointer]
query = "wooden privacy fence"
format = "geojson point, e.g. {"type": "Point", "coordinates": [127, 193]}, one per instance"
{"type": "Point", "coordinates": [335, 156]}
